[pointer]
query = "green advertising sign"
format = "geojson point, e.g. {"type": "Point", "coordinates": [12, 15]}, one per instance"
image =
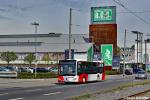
{"type": "Point", "coordinates": [107, 54]}
{"type": "Point", "coordinates": [105, 14]}
{"type": "Point", "coordinates": [90, 54]}
{"type": "Point", "coordinates": [102, 14]}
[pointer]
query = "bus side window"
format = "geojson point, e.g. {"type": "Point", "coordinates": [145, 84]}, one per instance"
{"type": "Point", "coordinates": [84, 68]}
{"type": "Point", "coordinates": [79, 69]}
{"type": "Point", "coordinates": [101, 69]}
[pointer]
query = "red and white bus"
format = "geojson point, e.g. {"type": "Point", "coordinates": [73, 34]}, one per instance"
{"type": "Point", "coordinates": [80, 71]}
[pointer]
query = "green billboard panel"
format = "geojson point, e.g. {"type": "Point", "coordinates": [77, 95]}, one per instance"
{"type": "Point", "coordinates": [107, 54]}
{"type": "Point", "coordinates": [106, 14]}
{"type": "Point", "coordinates": [90, 54]}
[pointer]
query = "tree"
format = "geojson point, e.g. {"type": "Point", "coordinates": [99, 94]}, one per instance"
{"type": "Point", "coordinates": [133, 47]}
{"type": "Point", "coordinates": [118, 50]}
{"type": "Point", "coordinates": [46, 58]}
{"type": "Point", "coordinates": [8, 56]}
{"type": "Point", "coordinates": [30, 58]}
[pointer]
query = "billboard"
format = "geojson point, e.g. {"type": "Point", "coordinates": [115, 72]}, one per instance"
{"type": "Point", "coordinates": [96, 52]}
{"type": "Point", "coordinates": [104, 15]}
{"type": "Point", "coordinates": [104, 34]}
{"type": "Point", "coordinates": [107, 54]}
{"type": "Point", "coordinates": [116, 62]}
{"type": "Point", "coordinates": [90, 54]}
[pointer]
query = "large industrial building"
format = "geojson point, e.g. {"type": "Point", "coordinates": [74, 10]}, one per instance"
{"type": "Point", "coordinates": [52, 44]}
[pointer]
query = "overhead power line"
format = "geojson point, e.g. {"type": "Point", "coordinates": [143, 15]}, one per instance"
{"type": "Point", "coordinates": [134, 12]}
{"type": "Point", "coordinates": [119, 3]}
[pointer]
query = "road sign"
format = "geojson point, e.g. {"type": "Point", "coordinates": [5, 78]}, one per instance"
{"type": "Point", "coordinates": [116, 62]}
{"type": "Point", "coordinates": [67, 54]}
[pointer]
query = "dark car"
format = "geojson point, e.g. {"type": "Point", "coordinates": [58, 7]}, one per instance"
{"type": "Point", "coordinates": [10, 68]}
{"type": "Point", "coordinates": [22, 69]}
{"type": "Point", "coordinates": [41, 70]}
{"type": "Point", "coordinates": [128, 72]}
{"type": "Point", "coordinates": [136, 70]}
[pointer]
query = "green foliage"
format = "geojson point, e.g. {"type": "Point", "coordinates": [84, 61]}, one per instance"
{"type": "Point", "coordinates": [112, 72]}
{"type": "Point", "coordinates": [82, 97]}
{"type": "Point", "coordinates": [118, 50]}
{"type": "Point", "coordinates": [133, 46]}
{"type": "Point", "coordinates": [30, 58]}
{"type": "Point", "coordinates": [46, 58]}
{"type": "Point", "coordinates": [8, 56]}
{"type": "Point", "coordinates": [26, 75]}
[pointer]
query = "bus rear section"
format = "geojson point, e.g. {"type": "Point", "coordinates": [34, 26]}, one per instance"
{"type": "Point", "coordinates": [80, 71]}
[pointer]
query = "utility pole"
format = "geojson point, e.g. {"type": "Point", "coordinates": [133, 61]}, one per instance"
{"type": "Point", "coordinates": [139, 47]}
{"type": "Point", "coordinates": [124, 53]}
{"type": "Point", "coordinates": [70, 24]}
{"type": "Point", "coordinates": [35, 24]}
{"type": "Point", "coordinates": [137, 50]}
{"type": "Point", "coordinates": [145, 56]}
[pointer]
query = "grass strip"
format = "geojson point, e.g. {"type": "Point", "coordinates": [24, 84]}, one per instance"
{"type": "Point", "coordinates": [82, 97]}
{"type": "Point", "coordinates": [121, 87]}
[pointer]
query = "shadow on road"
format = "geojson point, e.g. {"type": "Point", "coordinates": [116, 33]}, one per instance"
{"type": "Point", "coordinates": [72, 83]}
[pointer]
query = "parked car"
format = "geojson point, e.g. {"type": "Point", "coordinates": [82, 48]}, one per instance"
{"type": "Point", "coordinates": [42, 70]}
{"type": "Point", "coordinates": [54, 69]}
{"type": "Point", "coordinates": [136, 70]}
{"type": "Point", "coordinates": [128, 72]}
{"type": "Point", "coordinates": [141, 75]}
{"type": "Point", "coordinates": [11, 68]}
{"type": "Point", "coordinates": [28, 69]}
{"type": "Point", "coordinates": [2, 68]}
{"type": "Point", "coordinates": [21, 69]}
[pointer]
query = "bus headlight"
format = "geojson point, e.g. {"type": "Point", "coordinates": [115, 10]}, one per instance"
{"type": "Point", "coordinates": [75, 78]}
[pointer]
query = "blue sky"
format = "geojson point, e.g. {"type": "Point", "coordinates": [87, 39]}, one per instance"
{"type": "Point", "coordinates": [16, 16]}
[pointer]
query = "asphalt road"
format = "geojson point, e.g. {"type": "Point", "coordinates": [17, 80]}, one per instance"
{"type": "Point", "coordinates": [60, 92]}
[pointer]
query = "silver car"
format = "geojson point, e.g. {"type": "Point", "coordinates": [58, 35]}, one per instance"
{"type": "Point", "coordinates": [141, 75]}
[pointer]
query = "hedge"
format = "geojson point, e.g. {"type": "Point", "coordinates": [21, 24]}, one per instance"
{"type": "Point", "coordinates": [25, 75]}
{"type": "Point", "coordinates": [112, 72]}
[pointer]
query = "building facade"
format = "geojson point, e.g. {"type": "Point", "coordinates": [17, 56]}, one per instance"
{"type": "Point", "coordinates": [129, 54]}
{"type": "Point", "coordinates": [52, 45]}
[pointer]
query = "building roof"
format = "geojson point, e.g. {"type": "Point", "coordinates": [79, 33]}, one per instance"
{"type": "Point", "coordinates": [31, 35]}
{"type": "Point", "coordinates": [54, 42]}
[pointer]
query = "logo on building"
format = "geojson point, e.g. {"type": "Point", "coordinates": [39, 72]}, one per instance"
{"type": "Point", "coordinates": [106, 14]}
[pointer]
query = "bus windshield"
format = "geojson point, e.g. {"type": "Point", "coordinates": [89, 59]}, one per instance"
{"type": "Point", "coordinates": [67, 67]}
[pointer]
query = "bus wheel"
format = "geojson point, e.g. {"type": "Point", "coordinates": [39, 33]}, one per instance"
{"type": "Point", "coordinates": [83, 80]}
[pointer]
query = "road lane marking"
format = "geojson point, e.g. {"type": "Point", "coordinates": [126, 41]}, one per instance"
{"type": "Point", "coordinates": [52, 93]}
{"type": "Point", "coordinates": [3, 94]}
{"type": "Point", "coordinates": [33, 90]}
{"type": "Point", "coordinates": [17, 99]}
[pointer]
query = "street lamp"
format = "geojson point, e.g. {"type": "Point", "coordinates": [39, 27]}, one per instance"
{"type": "Point", "coordinates": [146, 55]}
{"type": "Point", "coordinates": [124, 52]}
{"type": "Point", "coordinates": [36, 25]}
{"type": "Point", "coordinates": [141, 39]}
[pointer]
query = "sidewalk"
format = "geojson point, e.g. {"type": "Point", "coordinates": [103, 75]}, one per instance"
{"type": "Point", "coordinates": [108, 77]}
{"type": "Point", "coordinates": [11, 83]}
{"type": "Point", "coordinates": [121, 76]}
